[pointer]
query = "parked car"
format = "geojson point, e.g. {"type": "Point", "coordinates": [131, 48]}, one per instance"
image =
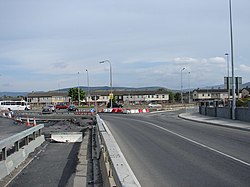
{"type": "Point", "coordinates": [154, 105]}
{"type": "Point", "coordinates": [61, 106]}
{"type": "Point", "coordinates": [114, 105]}
{"type": "Point", "coordinates": [72, 108]}
{"type": "Point", "coordinates": [46, 110]}
{"type": "Point", "coordinates": [52, 107]}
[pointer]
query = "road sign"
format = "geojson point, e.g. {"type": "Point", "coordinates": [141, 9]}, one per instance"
{"type": "Point", "coordinates": [111, 96]}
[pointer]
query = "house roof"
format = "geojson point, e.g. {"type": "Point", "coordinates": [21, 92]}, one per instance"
{"type": "Point", "coordinates": [47, 94]}
{"type": "Point", "coordinates": [146, 92]}
{"type": "Point", "coordinates": [211, 90]}
{"type": "Point", "coordinates": [248, 89]}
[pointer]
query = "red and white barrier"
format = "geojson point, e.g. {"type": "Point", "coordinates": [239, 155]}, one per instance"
{"type": "Point", "coordinates": [125, 111]}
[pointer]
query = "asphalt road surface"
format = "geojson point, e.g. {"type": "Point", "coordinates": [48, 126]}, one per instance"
{"type": "Point", "coordinates": [8, 128]}
{"type": "Point", "coordinates": [164, 150]}
{"type": "Point", "coordinates": [53, 166]}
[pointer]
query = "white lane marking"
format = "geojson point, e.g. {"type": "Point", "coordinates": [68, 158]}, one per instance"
{"type": "Point", "coordinates": [197, 143]}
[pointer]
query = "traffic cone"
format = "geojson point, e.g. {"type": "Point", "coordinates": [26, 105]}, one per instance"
{"type": "Point", "coordinates": [34, 124]}
{"type": "Point", "coordinates": [28, 121]}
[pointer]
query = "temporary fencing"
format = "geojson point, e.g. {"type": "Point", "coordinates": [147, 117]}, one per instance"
{"type": "Point", "coordinates": [125, 111]}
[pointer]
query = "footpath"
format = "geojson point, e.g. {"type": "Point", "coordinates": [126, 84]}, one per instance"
{"type": "Point", "coordinates": [235, 124]}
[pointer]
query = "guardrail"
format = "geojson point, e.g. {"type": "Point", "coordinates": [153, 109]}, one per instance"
{"type": "Point", "coordinates": [15, 149]}
{"type": "Point", "coordinates": [116, 170]}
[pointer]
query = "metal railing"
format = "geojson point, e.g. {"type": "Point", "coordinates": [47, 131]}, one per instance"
{"type": "Point", "coordinates": [15, 149]}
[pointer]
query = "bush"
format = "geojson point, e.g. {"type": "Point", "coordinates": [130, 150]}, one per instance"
{"type": "Point", "coordinates": [242, 102]}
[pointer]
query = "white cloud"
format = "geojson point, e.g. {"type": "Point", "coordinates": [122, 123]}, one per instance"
{"type": "Point", "coordinates": [217, 60]}
{"type": "Point", "coordinates": [185, 60]}
{"type": "Point", "coordinates": [244, 68]}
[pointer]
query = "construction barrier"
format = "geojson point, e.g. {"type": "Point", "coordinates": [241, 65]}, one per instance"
{"type": "Point", "coordinates": [125, 111]}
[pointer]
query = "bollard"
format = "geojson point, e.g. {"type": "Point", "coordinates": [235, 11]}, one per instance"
{"type": "Point", "coordinates": [28, 121]}
{"type": "Point", "coordinates": [34, 124]}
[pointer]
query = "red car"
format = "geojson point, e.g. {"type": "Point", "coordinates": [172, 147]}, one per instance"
{"type": "Point", "coordinates": [61, 106]}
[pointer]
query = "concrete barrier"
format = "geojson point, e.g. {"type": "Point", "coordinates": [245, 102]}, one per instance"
{"type": "Point", "coordinates": [12, 151]}
{"type": "Point", "coordinates": [68, 137]}
{"type": "Point", "coordinates": [116, 170]}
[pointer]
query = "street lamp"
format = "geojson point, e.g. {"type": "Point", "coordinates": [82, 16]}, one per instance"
{"type": "Point", "coordinates": [110, 76]}
{"type": "Point", "coordinates": [88, 96]}
{"type": "Point", "coordinates": [228, 79]}
{"type": "Point", "coordinates": [181, 86]}
{"type": "Point", "coordinates": [232, 59]}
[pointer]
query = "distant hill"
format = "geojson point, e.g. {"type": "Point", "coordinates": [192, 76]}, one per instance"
{"type": "Point", "coordinates": [13, 94]}
{"type": "Point", "coordinates": [246, 85]}
{"type": "Point", "coordinates": [103, 88]}
{"type": "Point", "coordinates": [222, 86]}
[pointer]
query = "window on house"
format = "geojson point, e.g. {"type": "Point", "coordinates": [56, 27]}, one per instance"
{"type": "Point", "coordinates": [163, 96]}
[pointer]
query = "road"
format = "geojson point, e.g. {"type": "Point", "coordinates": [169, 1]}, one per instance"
{"type": "Point", "coordinates": [164, 150]}
{"type": "Point", "coordinates": [9, 128]}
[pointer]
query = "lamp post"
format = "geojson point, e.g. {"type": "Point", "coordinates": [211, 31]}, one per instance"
{"type": "Point", "coordinates": [78, 91]}
{"type": "Point", "coordinates": [181, 86]}
{"type": "Point", "coordinates": [189, 87]}
{"type": "Point", "coordinates": [110, 77]}
{"type": "Point", "coordinates": [232, 59]}
{"type": "Point", "coordinates": [88, 96]}
{"type": "Point", "coordinates": [228, 79]}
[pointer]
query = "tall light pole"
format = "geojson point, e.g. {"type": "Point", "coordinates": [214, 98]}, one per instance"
{"type": "Point", "coordinates": [189, 87]}
{"type": "Point", "coordinates": [78, 91]}
{"type": "Point", "coordinates": [232, 59]}
{"type": "Point", "coordinates": [228, 79]}
{"type": "Point", "coordinates": [88, 96]}
{"type": "Point", "coordinates": [181, 86]}
{"type": "Point", "coordinates": [110, 77]}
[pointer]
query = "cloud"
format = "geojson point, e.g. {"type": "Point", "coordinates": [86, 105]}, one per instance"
{"type": "Point", "coordinates": [217, 60]}
{"type": "Point", "coordinates": [244, 68]}
{"type": "Point", "coordinates": [185, 60]}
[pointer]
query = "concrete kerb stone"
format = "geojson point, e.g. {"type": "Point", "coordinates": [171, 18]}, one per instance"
{"type": "Point", "coordinates": [214, 122]}
{"type": "Point", "coordinates": [80, 178]}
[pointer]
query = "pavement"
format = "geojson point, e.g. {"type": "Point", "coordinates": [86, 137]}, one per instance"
{"type": "Point", "coordinates": [235, 124]}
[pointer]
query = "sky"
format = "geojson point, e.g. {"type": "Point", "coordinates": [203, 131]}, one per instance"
{"type": "Point", "coordinates": [44, 44]}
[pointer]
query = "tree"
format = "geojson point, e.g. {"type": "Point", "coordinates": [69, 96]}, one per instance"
{"type": "Point", "coordinates": [171, 96]}
{"type": "Point", "coordinates": [73, 93]}
{"type": "Point", "coordinates": [177, 97]}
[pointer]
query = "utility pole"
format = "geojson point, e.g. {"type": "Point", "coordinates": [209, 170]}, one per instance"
{"type": "Point", "coordinates": [232, 60]}
{"type": "Point", "coordinates": [181, 86]}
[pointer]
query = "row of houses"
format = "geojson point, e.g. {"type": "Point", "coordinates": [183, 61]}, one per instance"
{"type": "Point", "coordinates": [216, 94]}
{"type": "Point", "coordinates": [100, 97]}
{"type": "Point", "coordinates": [136, 97]}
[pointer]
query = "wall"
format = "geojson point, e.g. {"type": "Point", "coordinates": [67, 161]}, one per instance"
{"type": "Point", "coordinates": [242, 114]}
{"type": "Point", "coordinates": [224, 112]}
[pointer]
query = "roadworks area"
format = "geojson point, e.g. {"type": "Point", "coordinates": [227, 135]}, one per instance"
{"type": "Point", "coordinates": [61, 160]}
